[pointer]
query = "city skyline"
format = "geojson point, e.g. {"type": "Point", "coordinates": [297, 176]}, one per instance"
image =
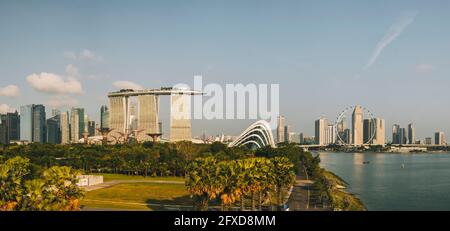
{"type": "Point", "coordinates": [103, 47]}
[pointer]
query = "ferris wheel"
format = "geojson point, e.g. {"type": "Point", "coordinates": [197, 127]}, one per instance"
{"type": "Point", "coordinates": [343, 133]}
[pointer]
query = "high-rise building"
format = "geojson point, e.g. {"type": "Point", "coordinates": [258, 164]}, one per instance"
{"type": "Point", "coordinates": [402, 136]}
{"type": "Point", "coordinates": [65, 128]}
{"type": "Point", "coordinates": [357, 125]}
{"type": "Point", "coordinates": [439, 138]}
{"type": "Point", "coordinates": [280, 129]}
{"type": "Point", "coordinates": [39, 130]}
{"type": "Point", "coordinates": [77, 125]}
{"type": "Point", "coordinates": [11, 127]}
{"type": "Point", "coordinates": [411, 134]}
{"type": "Point", "coordinates": [321, 125]}
{"type": "Point", "coordinates": [348, 139]}
{"type": "Point", "coordinates": [330, 134]}
{"type": "Point", "coordinates": [91, 128]}
{"type": "Point", "coordinates": [3, 130]}
{"type": "Point", "coordinates": [180, 120]}
{"type": "Point", "coordinates": [287, 132]}
{"type": "Point", "coordinates": [32, 123]}
{"type": "Point", "coordinates": [368, 131]}
{"type": "Point", "coordinates": [380, 132]}
{"type": "Point", "coordinates": [302, 140]}
{"type": "Point", "coordinates": [26, 123]}
{"type": "Point", "coordinates": [395, 134]}
{"type": "Point", "coordinates": [428, 141]}
{"type": "Point", "coordinates": [104, 117]}
{"type": "Point", "coordinates": [54, 129]}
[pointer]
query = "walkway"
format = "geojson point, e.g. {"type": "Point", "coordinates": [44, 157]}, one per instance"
{"type": "Point", "coordinates": [108, 184]}
{"type": "Point", "coordinates": [298, 201]}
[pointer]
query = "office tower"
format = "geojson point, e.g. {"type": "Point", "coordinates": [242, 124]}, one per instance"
{"type": "Point", "coordinates": [65, 128]}
{"type": "Point", "coordinates": [302, 140]}
{"type": "Point", "coordinates": [11, 122]}
{"type": "Point", "coordinates": [54, 129]}
{"type": "Point", "coordinates": [97, 130]}
{"type": "Point", "coordinates": [160, 127]}
{"type": "Point", "coordinates": [180, 117]}
{"type": "Point", "coordinates": [411, 134]}
{"type": "Point", "coordinates": [402, 136]}
{"type": "Point", "coordinates": [86, 123]}
{"type": "Point", "coordinates": [39, 130]}
{"type": "Point", "coordinates": [380, 132]}
{"type": "Point", "coordinates": [330, 134]}
{"type": "Point", "coordinates": [439, 138]}
{"type": "Point", "coordinates": [104, 117]}
{"type": "Point", "coordinates": [280, 129]}
{"type": "Point", "coordinates": [395, 134]}
{"type": "Point", "coordinates": [428, 141]}
{"type": "Point", "coordinates": [287, 132]}
{"type": "Point", "coordinates": [91, 128]}
{"type": "Point", "coordinates": [77, 125]}
{"type": "Point", "coordinates": [26, 123]}
{"type": "Point", "coordinates": [3, 130]}
{"type": "Point", "coordinates": [357, 125]}
{"type": "Point", "coordinates": [321, 126]}
{"type": "Point", "coordinates": [348, 136]}
{"type": "Point", "coordinates": [368, 131]}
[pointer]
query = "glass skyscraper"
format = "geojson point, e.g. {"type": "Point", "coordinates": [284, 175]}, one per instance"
{"type": "Point", "coordinates": [104, 117]}
{"type": "Point", "coordinates": [26, 123]}
{"type": "Point", "coordinates": [39, 131]}
{"type": "Point", "coordinates": [32, 123]}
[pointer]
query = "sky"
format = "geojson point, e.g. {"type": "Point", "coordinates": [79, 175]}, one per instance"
{"type": "Point", "coordinates": [392, 57]}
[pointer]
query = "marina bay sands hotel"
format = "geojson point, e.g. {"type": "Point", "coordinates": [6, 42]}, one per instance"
{"type": "Point", "coordinates": [148, 114]}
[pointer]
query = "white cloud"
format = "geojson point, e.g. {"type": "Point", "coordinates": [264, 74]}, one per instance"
{"type": "Point", "coordinates": [5, 108]}
{"type": "Point", "coordinates": [72, 70]}
{"type": "Point", "coordinates": [394, 31]}
{"type": "Point", "coordinates": [62, 101]}
{"type": "Point", "coordinates": [127, 85]}
{"type": "Point", "coordinates": [84, 55]}
{"type": "Point", "coordinates": [9, 91]}
{"type": "Point", "coordinates": [423, 68]}
{"type": "Point", "coordinates": [54, 84]}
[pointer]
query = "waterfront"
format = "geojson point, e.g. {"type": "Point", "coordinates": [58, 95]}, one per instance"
{"type": "Point", "coordinates": [419, 181]}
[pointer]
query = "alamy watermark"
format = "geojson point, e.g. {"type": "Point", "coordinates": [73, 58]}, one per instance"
{"type": "Point", "coordinates": [234, 101]}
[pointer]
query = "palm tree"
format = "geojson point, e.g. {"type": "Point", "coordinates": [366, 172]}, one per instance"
{"type": "Point", "coordinates": [284, 174]}
{"type": "Point", "coordinates": [227, 175]}
{"type": "Point", "coordinates": [201, 181]}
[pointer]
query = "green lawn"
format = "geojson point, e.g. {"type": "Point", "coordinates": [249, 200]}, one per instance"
{"type": "Point", "coordinates": [138, 196]}
{"type": "Point", "coordinates": [111, 177]}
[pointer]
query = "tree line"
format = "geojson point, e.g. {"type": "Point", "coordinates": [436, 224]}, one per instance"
{"type": "Point", "coordinates": [234, 181]}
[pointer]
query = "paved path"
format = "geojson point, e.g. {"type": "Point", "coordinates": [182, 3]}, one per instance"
{"type": "Point", "coordinates": [108, 184]}
{"type": "Point", "coordinates": [298, 199]}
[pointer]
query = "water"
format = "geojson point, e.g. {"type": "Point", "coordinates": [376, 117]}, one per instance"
{"type": "Point", "coordinates": [423, 183]}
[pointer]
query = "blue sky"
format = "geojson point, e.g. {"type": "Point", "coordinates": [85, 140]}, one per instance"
{"type": "Point", "coordinates": [318, 51]}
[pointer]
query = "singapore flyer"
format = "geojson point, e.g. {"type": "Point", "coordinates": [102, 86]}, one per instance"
{"type": "Point", "coordinates": [355, 125]}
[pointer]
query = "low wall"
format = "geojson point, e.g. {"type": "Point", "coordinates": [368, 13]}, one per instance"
{"type": "Point", "coordinates": [89, 180]}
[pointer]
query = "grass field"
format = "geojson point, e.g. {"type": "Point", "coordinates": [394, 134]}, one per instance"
{"type": "Point", "coordinates": [139, 196]}
{"type": "Point", "coordinates": [110, 177]}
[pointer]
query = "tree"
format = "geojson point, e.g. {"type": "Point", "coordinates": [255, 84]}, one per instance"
{"type": "Point", "coordinates": [12, 174]}
{"type": "Point", "coordinates": [55, 190]}
{"type": "Point", "coordinates": [201, 181]}
{"type": "Point", "coordinates": [284, 176]}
